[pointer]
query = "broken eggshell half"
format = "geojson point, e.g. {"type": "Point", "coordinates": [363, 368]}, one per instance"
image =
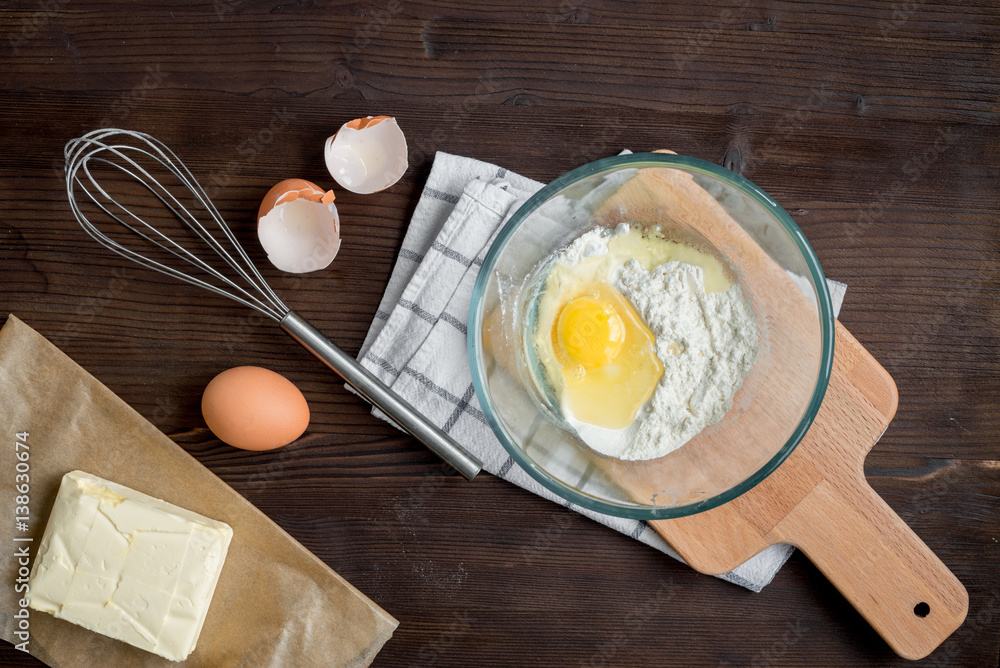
{"type": "Point", "coordinates": [367, 154]}
{"type": "Point", "coordinates": [298, 226]}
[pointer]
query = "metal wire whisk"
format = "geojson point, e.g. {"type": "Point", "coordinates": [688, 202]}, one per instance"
{"type": "Point", "coordinates": [139, 156]}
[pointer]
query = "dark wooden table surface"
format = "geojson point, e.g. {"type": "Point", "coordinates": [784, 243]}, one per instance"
{"type": "Point", "coordinates": [873, 122]}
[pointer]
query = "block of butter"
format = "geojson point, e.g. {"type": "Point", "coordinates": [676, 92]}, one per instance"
{"type": "Point", "coordinates": [127, 565]}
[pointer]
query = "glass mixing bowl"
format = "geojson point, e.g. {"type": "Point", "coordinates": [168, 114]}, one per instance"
{"type": "Point", "coordinates": [699, 204]}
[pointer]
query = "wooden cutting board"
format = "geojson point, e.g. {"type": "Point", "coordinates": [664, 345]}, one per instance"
{"type": "Point", "coordinates": [818, 501]}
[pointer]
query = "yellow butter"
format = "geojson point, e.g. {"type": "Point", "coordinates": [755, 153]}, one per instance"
{"type": "Point", "coordinates": [127, 565]}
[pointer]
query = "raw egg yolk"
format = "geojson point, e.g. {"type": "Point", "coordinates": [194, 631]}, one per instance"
{"type": "Point", "coordinates": [591, 331]}
{"type": "Point", "coordinates": [607, 357]}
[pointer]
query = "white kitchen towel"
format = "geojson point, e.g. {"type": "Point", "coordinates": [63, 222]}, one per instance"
{"type": "Point", "coordinates": [417, 342]}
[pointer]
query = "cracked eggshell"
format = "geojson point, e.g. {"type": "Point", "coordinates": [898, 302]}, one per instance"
{"type": "Point", "coordinates": [298, 226]}
{"type": "Point", "coordinates": [367, 154]}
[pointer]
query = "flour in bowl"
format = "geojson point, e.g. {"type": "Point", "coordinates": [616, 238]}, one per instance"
{"type": "Point", "coordinates": [705, 339]}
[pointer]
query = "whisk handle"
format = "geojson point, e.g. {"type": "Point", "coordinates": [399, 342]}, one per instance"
{"type": "Point", "coordinates": [383, 398]}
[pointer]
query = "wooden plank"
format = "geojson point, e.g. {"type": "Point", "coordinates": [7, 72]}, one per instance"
{"type": "Point", "coordinates": [654, 68]}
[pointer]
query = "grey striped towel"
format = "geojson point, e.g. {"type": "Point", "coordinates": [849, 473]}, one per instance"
{"type": "Point", "coordinates": [417, 342]}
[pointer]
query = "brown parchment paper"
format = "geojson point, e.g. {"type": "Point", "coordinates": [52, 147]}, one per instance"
{"type": "Point", "coordinates": [276, 603]}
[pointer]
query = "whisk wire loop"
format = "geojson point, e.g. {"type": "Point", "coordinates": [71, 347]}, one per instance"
{"type": "Point", "coordinates": [96, 147]}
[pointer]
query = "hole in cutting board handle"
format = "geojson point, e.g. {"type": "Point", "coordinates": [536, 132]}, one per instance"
{"type": "Point", "coordinates": [921, 609]}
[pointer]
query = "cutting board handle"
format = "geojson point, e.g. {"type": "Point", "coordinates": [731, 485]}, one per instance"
{"type": "Point", "coordinates": [878, 563]}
